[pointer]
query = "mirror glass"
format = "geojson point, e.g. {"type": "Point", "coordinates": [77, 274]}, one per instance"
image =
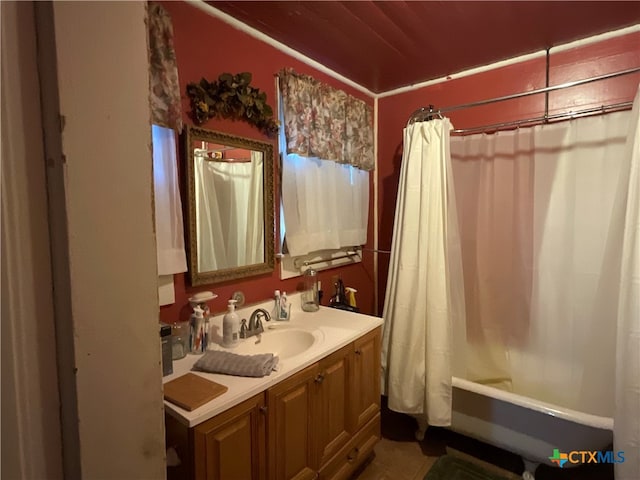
{"type": "Point", "coordinates": [230, 206]}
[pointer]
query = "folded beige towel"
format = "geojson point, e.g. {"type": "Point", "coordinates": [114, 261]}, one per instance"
{"type": "Point", "coordinates": [216, 361]}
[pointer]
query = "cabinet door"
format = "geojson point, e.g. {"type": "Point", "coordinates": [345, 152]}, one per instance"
{"type": "Point", "coordinates": [330, 408]}
{"type": "Point", "coordinates": [290, 427]}
{"type": "Point", "coordinates": [231, 446]}
{"type": "Point", "coordinates": [364, 393]}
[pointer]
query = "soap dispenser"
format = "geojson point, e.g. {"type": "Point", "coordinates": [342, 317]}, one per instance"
{"type": "Point", "coordinates": [231, 326]}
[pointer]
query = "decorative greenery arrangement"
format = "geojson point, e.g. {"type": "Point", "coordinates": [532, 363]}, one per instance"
{"type": "Point", "coordinates": [231, 96]}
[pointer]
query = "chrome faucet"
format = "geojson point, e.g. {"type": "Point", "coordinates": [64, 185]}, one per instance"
{"type": "Point", "coordinates": [255, 323]}
{"type": "Point", "coordinates": [254, 320]}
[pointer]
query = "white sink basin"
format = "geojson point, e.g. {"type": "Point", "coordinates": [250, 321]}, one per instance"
{"type": "Point", "coordinates": [285, 342]}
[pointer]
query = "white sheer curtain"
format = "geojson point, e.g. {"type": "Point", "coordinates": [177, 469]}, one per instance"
{"type": "Point", "coordinates": [626, 429]}
{"type": "Point", "coordinates": [168, 211]}
{"type": "Point", "coordinates": [325, 204]}
{"type": "Point", "coordinates": [230, 211]}
{"type": "Point", "coordinates": [424, 302]}
{"type": "Point", "coordinates": [541, 258]}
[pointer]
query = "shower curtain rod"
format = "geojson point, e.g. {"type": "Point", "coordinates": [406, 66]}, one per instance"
{"type": "Point", "coordinates": [430, 111]}
{"type": "Point", "coordinates": [616, 107]}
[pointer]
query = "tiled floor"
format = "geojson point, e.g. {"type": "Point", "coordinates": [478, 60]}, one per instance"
{"type": "Point", "coordinates": [398, 456]}
{"type": "Point", "coordinates": [397, 461]}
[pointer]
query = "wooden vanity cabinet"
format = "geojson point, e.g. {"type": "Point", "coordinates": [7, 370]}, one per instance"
{"type": "Point", "coordinates": [363, 409]}
{"type": "Point", "coordinates": [229, 446]}
{"type": "Point", "coordinates": [232, 445]}
{"type": "Point", "coordinates": [364, 381]}
{"type": "Point", "coordinates": [340, 399]}
{"type": "Point", "coordinates": [354, 453]}
{"type": "Point", "coordinates": [320, 423]}
{"type": "Point", "coordinates": [308, 412]}
{"type": "Point", "coordinates": [330, 414]}
{"type": "Point", "coordinates": [290, 426]}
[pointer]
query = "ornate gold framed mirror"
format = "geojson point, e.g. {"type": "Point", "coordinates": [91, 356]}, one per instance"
{"type": "Point", "coordinates": [230, 206]}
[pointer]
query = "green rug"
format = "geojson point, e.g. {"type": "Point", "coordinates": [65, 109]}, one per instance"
{"type": "Point", "coordinates": [448, 467]}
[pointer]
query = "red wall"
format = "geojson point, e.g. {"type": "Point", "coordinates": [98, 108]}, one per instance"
{"type": "Point", "coordinates": [206, 47]}
{"type": "Point", "coordinates": [608, 56]}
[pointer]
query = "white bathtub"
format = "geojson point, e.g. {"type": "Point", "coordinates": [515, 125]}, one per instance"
{"type": "Point", "coordinates": [525, 426]}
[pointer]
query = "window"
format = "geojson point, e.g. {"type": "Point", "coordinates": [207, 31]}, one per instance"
{"type": "Point", "coordinates": [326, 142]}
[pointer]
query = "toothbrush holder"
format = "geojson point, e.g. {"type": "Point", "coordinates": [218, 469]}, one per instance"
{"type": "Point", "coordinates": [283, 314]}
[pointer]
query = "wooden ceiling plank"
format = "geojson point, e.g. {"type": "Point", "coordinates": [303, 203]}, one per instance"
{"type": "Point", "coordinates": [393, 30]}
{"type": "Point", "coordinates": [337, 36]}
{"type": "Point", "coordinates": [384, 45]}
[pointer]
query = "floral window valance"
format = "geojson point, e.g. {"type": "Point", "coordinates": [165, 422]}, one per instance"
{"type": "Point", "coordinates": [164, 95]}
{"type": "Point", "coordinates": [324, 122]}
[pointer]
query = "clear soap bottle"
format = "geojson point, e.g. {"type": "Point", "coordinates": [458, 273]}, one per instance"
{"type": "Point", "coordinates": [310, 292]}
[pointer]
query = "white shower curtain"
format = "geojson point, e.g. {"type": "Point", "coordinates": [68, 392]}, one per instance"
{"type": "Point", "coordinates": [626, 430]}
{"type": "Point", "coordinates": [211, 244]}
{"type": "Point", "coordinates": [230, 211]}
{"type": "Point", "coordinates": [494, 175]}
{"type": "Point", "coordinates": [424, 299]}
{"type": "Point", "coordinates": [254, 227]}
{"type": "Point", "coordinates": [575, 265]}
{"type": "Point", "coordinates": [550, 241]}
{"type": "Point", "coordinates": [541, 243]}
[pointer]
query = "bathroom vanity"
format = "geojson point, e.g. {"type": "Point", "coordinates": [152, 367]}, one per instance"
{"type": "Point", "coordinates": [317, 416]}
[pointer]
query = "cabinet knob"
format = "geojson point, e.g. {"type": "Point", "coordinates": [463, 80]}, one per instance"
{"type": "Point", "coordinates": [358, 352]}
{"type": "Point", "coordinates": [263, 409]}
{"type": "Point", "coordinates": [353, 454]}
{"type": "Point", "coordinates": [319, 378]}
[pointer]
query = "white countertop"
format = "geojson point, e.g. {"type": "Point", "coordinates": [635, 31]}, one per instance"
{"type": "Point", "coordinates": [334, 329]}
